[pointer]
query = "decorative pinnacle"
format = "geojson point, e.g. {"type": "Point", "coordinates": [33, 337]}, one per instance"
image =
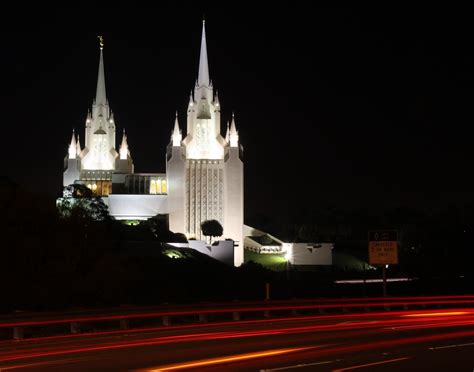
{"type": "Point", "coordinates": [101, 41]}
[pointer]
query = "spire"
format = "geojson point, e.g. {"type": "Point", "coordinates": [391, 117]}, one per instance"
{"type": "Point", "coordinates": [100, 97]}
{"type": "Point", "coordinates": [124, 147]}
{"type": "Point", "coordinates": [78, 146]}
{"type": "Point", "coordinates": [227, 133]}
{"type": "Point", "coordinates": [234, 135]}
{"type": "Point", "coordinates": [191, 100]}
{"type": "Point", "coordinates": [176, 136]}
{"type": "Point", "coordinates": [216, 99]}
{"type": "Point", "coordinates": [233, 129]}
{"type": "Point", "coordinates": [203, 77]}
{"type": "Point", "coordinates": [176, 124]}
{"type": "Point", "coordinates": [72, 147]}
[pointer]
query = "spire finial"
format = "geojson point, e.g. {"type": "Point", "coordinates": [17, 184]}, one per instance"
{"type": "Point", "coordinates": [101, 41]}
{"type": "Point", "coordinates": [100, 97]}
{"type": "Point", "coordinates": [203, 75]}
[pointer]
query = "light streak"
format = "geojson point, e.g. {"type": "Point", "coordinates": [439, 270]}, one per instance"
{"type": "Point", "coordinates": [227, 359]}
{"type": "Point", "coordinates": [445, 313]}
{"type": "Point", "coordinates": [360, 281]}
{"type": "Point", "coordinates": [276, 305]}
{"type": "Point", "coordinates": [451, 346]}
{"type": "Point", "coordinates": [371, 364]}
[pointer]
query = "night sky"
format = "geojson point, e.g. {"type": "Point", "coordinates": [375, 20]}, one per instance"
{"type": "Point", "coordinates": [351, 107]}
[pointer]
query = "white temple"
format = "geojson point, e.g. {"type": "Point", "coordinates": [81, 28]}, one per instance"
{"type": "Point", "coordinates": [204, 170]}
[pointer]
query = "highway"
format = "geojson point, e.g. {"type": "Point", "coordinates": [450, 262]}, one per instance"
{"type": "Point", "coordinates": [431, 339]}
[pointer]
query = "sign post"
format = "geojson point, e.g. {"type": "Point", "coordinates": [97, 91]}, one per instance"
{"type": "Point", "coordinates": [383, 251]}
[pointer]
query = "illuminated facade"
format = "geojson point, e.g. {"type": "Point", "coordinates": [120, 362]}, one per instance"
{"type": "Point", "coordinates": [204, 170]}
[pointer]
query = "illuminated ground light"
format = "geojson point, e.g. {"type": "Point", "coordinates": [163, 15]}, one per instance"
{"type": "Point", "coordinates": [172, 254]}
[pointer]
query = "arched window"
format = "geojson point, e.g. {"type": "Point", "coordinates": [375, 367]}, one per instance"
{"type": "Point", "coordinates": [164, 187]}
{"type": "Point", "coordinates": [153, 187]}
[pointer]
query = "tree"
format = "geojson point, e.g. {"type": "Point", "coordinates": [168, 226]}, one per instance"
{"type": "Point", "coordinates": [211, 228]}
{"type": "Point", "coordinates": [79, 203]}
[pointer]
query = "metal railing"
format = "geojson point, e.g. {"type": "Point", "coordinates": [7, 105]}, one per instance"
{"type": "Point", "coordinates": [122, 318]}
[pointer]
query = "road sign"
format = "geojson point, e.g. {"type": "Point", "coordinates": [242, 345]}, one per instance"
{"type": "Point", "coordinates": [383, 246]}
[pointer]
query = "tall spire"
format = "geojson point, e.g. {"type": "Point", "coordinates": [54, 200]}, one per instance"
{"type": "Point", "coordinates": [100, 97]}
{"type": "Point", "coordinates": [124, 152]}
{"type": "Point", "coordinates": [227, 133]}
{"type": "Point", "coordinates": [203, 77]}
{"type": "Point", "coordinates": [78, 146]}
{"type": "Point", "coordinates": [176, 136]}
{"type": "Point", "coordinates": [234, 134]}
{"type": "Point", "coordinates": [72, 147]}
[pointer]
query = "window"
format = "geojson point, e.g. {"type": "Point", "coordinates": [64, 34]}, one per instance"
{"type": "Point", "coordinates": [153, 187]}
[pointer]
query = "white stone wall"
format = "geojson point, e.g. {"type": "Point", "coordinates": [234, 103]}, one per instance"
{"type": "Point", "coordinates": [204, 194]}
{"type": "Point", "coordinates": [136, 207]}
{"type": "Point", "coordinates": [234, 202]}
{"type": "Point", "coordinates": [311, 254]}
{"type": "Point", "coordinates": [175, 172]}
{"type": "Point", "coordinates": [72, 172]}
{"type": "Point", "coordinates": [223, 251]}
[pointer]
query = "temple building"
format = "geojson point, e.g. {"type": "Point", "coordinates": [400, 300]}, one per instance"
{"type": "Point", "coordinates": [204, 169]}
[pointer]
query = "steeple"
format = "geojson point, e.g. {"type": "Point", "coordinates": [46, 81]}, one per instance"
{"type": "Point", "coordinates": [227, 133]}
{"type": "Point", "coordinates": [203, 76]}
{"type": "Point", "coordinates": [216, 101]}
{"type": "Point", "coordinates": [89, 118]}
{"type": "Point", "coordinates": [124, 152]}
{"type": "Point", "coordinates": [78, 146]}
{"type": "Point", "coordinates": [100, 97]}
{"type": "Point", "coordinates": [176, 135]}
{"type": "Point", "coordinates": [72, 146]}
{"type": "Point", "coordinates": [234, 135]}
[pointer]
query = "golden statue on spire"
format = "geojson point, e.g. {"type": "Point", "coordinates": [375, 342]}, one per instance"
{"type": "Point", "coordinates": [101, 41]}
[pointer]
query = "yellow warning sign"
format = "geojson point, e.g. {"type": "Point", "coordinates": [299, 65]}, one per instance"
{"type": "Point", "coordinates": [383, 248]}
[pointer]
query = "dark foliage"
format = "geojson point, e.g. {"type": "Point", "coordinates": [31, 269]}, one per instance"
{"type": "Point", "coordinates": [212, 228]}
{"type": "Point", "coordinates": [52, 262]}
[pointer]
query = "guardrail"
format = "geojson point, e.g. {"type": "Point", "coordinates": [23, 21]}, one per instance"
{"type": "Point", "coordinates": [202, 312]}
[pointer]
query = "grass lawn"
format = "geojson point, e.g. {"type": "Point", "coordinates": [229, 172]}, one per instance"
{"type": "Point", "coordinates": [272, 261]}
{"type": "Point", "coordinates": [342, 261]}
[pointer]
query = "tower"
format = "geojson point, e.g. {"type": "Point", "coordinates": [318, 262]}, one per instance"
{"type": "Point", "coordinates": [72, 162]}
{"type": "Point", "coordinates": [99, 152]}
{"type": "Point", "coordinates": [95, 164]}
{"type": "Point", "coordinates": [205, 172]}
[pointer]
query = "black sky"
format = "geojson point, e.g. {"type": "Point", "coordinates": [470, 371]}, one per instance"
{"type": "Point", "coordinates": [344, 106]}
